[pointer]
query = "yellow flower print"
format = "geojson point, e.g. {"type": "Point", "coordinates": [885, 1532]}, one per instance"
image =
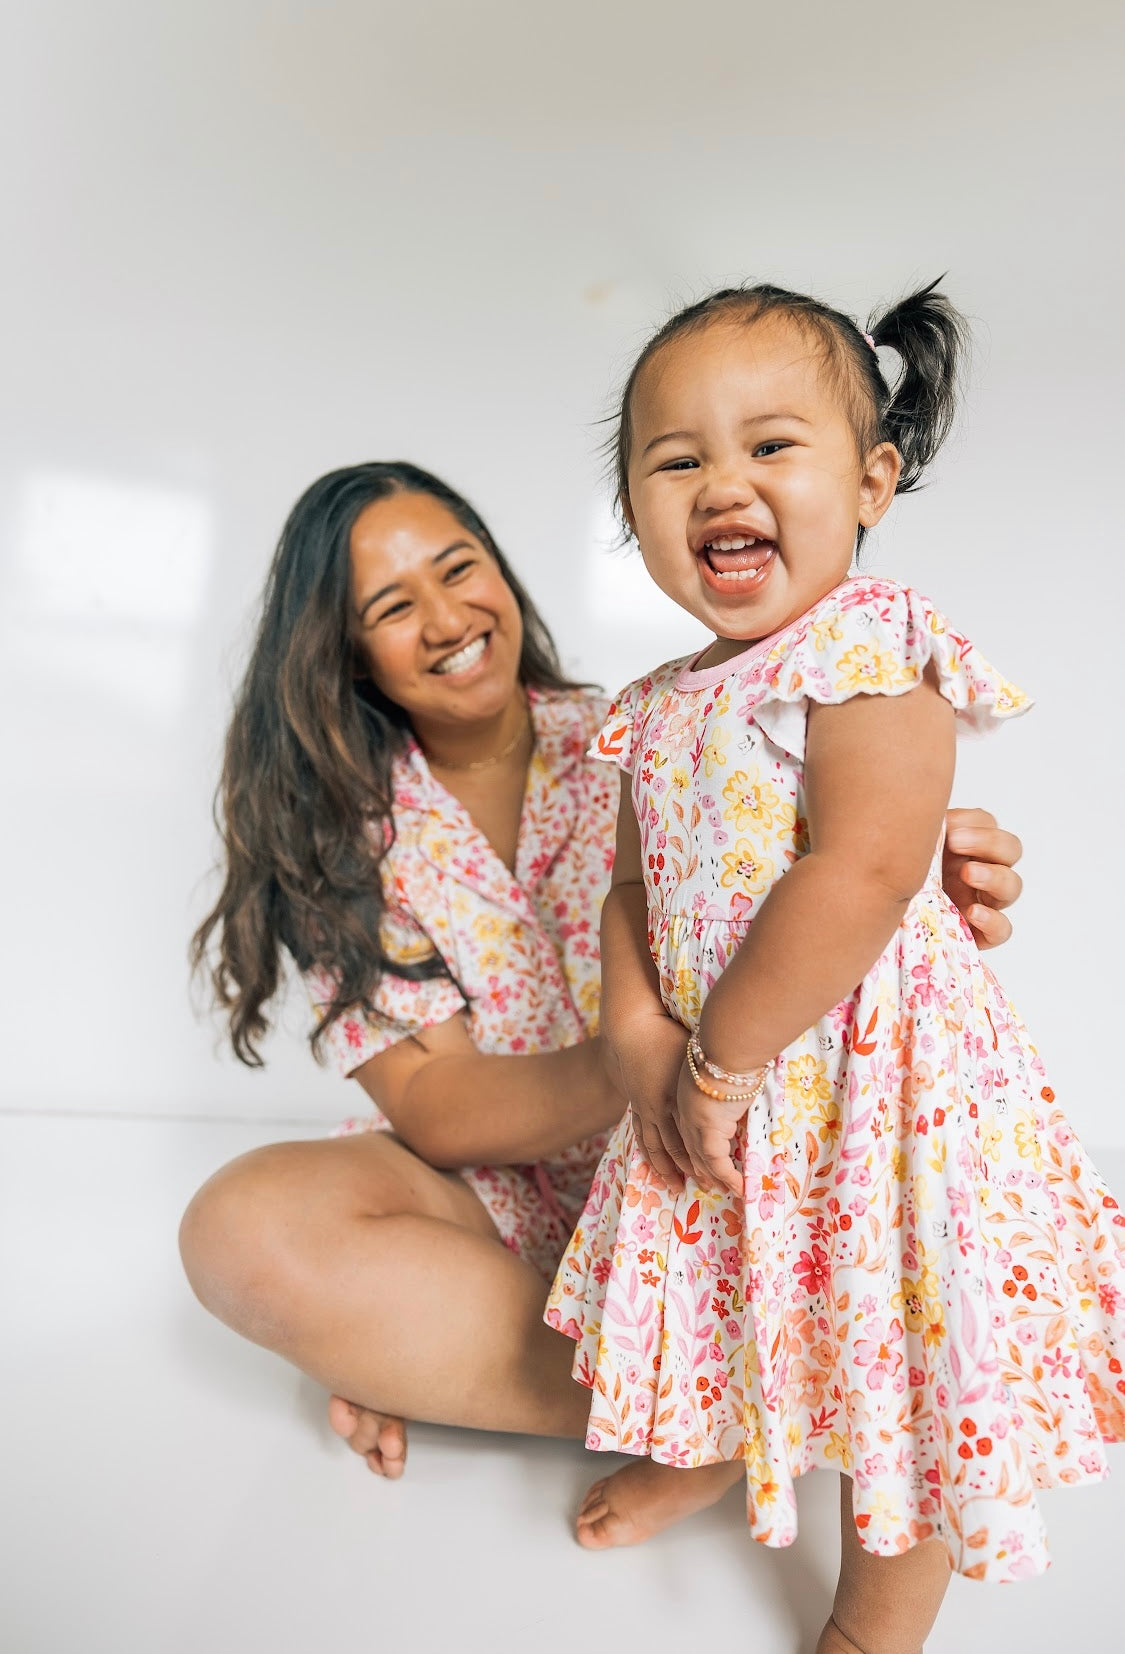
{"type": "Point", "coordinates": [1028, 1146]}
{"type": "Point", "coordinates": [826, 632]}
{"type": "Point", "coordinates": [990, 1140]}
{"type": "Point", "coordinates": [750, 801]}
{"type": "Point", "coordinates": [933, 1332]}
{"type": "Point", "coordinates": [488, 926]}
{"type": "Point", "coordinates": [825, 1119]}
{"type": "Point", "coordinates": [806, 1083]}
{"type": "Point", "coordinates": [681, 780]}
{"type": "Point", "coordinates": [782, 1132]}
{"type": "Point", "coordinates": [839, 1447]}
{"type": "Point", "coordinates": [765, 1488]}
{"type": "Point", "coordinates": [589, 1001]}
{"type": "Point", "coordinates": [714, 753]}
{"type": "Point", "coordinates": [685, 986]}
{"type": "Point", "coordinates": [909, 1300]}
{"type": "Point", "coordinates": [866, 667]}
{"type": "Point", "coordinates": [745, 866]}
{"type": "Point", "coordinates": [1008, 697]}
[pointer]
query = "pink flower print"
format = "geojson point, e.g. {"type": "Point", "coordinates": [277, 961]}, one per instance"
{"type": "Point", "coordinates": [1109, 1298]}
{"type": "Point", "coordinates": [1090, 1464]}
{"type": "Point", "coordinates": [875, 1353]}
{"type": "Point", "coordinates": [923, 984]}
{"type": "Point", "coordinates": [861, 1176]}
{"type": "Point", "coordinates": [917, 1378]}
{"type": "Point", "coordinates": [1025, 1333]}
{"type": "Point", "coordinates": [731, 1259]}
{"type": "Point", "coordinates": [813, 1271]}
{"type": "Point", "coordinates": [353, 1033]}
{"type": "Point", "coordinates": [859, 1205]}
{"type": "Point", "coordinates": [1057, 1362]}
{"type": "Point", "coordinates": [602, 1270]}
{"type": "Point", "coordinates": [643, 1228]}
{"type": "Point", "coordinates": [875, 1465]}
{"type": "Point", "coordinates": [869, 1305]}
{"type": "Point", "coordinates": [719, 837]}
{"type": "Point", "coordinates": [764, 1183]}
{"type": "Point", "coordinates": [1012, 1542]}
{"type": "Point", "coordinates": [733, 1328]}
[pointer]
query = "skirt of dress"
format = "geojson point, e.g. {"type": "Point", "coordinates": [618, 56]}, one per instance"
{"type": "Point", "coordinates": [923, 1285]}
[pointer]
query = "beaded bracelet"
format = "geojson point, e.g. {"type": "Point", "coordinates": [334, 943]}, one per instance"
{"type": "Point", "coordinates": [713, 1068]}
{"type": "Point", "coordinates": [723, 1096]}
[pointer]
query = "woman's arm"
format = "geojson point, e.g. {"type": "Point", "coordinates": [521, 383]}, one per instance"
{"type": "Point", "coordinates": [456, 1107]}
{"type": "Point", "coordinates": [978, 873]}
{"type": "Point", "coordinates": [878, 774]}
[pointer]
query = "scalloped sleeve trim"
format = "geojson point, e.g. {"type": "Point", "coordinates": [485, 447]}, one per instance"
{"type": "Point", "coordinates": [874, 638]}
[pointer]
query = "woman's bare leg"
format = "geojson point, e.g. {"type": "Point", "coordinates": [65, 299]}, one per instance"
{"type": "Point", "coordinates": [884, 1604]}
{"type": "Point", "coordinates": [385, 1281]}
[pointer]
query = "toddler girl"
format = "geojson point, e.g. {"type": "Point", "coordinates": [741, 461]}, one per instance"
{"type": "Point", "coordinates": [842, 1226]}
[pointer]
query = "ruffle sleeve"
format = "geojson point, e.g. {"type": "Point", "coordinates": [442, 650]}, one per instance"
{"type": "Point", "coordinates": [401, 1008]}
{"type": "Point", "coordinates": [873, 637]}
{"type": "Point", "coordinates": [613, 743]}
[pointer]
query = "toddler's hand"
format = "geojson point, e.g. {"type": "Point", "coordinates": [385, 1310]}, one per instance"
{"type": "Point", "coordinates": [650, 1055]}
{"type": "Point", "coordinates": [707, 1128]}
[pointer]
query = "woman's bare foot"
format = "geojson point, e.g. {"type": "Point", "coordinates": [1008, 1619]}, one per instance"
{"type": "Point", "coordinates": [377, 1437]}
{"type": "Point", "coordinates": [633, 1504]}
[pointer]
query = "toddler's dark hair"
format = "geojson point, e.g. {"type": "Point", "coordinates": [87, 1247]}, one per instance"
{"type": "Point", "coordinates": [930, 337]}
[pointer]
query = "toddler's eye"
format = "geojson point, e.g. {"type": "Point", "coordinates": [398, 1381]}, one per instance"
{"type": "Point", "coordinates": [679, 464]}
{"type": "Point", "coordinates": [764, 449]}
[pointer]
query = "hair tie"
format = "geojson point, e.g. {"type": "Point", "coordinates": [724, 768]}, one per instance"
{"type": "Point", "coordinates": [869, 340]}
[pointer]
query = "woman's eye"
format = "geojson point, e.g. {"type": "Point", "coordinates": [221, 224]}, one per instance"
{"type": "Point", "coordinates": [460, 568]}
{"type": "Point", "coordinates": [395, 609]}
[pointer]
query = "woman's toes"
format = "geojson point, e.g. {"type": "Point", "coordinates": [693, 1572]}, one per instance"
{"type": "Point", "coordinates": [343, 1416]}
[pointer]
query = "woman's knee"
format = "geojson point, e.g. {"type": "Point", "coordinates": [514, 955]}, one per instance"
{"type": "Point", "coordinates": [257, 1237]}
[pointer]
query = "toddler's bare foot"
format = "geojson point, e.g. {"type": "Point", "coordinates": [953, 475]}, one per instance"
{"type": "Point", "coordinates": [377, 1437]}
{"type": "Point", "coordinates": [633, 1504]}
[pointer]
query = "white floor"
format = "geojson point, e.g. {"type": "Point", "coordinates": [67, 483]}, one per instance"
{"type": "Point", "coordinates": [169, 1489]}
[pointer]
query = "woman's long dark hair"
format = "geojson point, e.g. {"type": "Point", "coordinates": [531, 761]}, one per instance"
{"type": "Point", "coordinates": [304, 803]}
{"type": "Point", "coordinates": [916, 413]}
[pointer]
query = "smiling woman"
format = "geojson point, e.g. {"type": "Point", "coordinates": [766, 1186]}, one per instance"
{"type": "Point", "coordinates": [410, 812]}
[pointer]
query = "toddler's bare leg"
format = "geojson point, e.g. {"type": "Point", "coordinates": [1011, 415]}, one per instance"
{"type": "Point", "coordinates": [884, 1604]}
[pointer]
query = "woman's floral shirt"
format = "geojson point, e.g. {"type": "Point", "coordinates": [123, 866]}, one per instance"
{"type": "Point", "coordinates": [522, 948]}
{"type": "Point", "coordinates": [923, 1283]}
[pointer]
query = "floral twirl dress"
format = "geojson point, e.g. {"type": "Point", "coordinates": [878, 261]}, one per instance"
{"type": "Point", "coordinates": [923, 1283]}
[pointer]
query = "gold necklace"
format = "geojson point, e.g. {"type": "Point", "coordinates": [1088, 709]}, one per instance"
{"type": "Point", "coordinates": [483, 763]}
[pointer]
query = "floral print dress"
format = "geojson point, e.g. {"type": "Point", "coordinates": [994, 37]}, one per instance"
{"type": "Point", "coordinates": [522, 947]}
{"type": "Point", "coordinates": [923, 1283]}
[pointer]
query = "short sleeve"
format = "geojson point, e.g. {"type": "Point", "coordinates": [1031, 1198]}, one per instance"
{"type": "Point", "coordinates": [613, 743]}
{"type": "Point", "coordinates": [875, 638]}
{"type": "Point", "coordinates": [401, 1008]}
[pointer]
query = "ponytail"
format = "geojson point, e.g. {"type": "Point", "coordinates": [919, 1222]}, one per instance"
{"type": "Point", "coordinates": [931, 340]}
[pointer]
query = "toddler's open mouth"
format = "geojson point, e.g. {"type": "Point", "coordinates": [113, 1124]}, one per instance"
{"type": "Point", "coordinates": [737, 562]}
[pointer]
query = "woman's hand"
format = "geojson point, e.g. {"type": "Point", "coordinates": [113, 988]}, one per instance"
{"type": "Point", "coordinates": [650, 1054]}
{"type": "Point", "coordinates": [978, 872]}
{"type": "Point", "coordinates": [707, 1129]}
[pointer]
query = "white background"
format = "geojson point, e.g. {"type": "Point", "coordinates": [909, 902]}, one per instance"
{"type": "Point", "coordinates": [245, 241]}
